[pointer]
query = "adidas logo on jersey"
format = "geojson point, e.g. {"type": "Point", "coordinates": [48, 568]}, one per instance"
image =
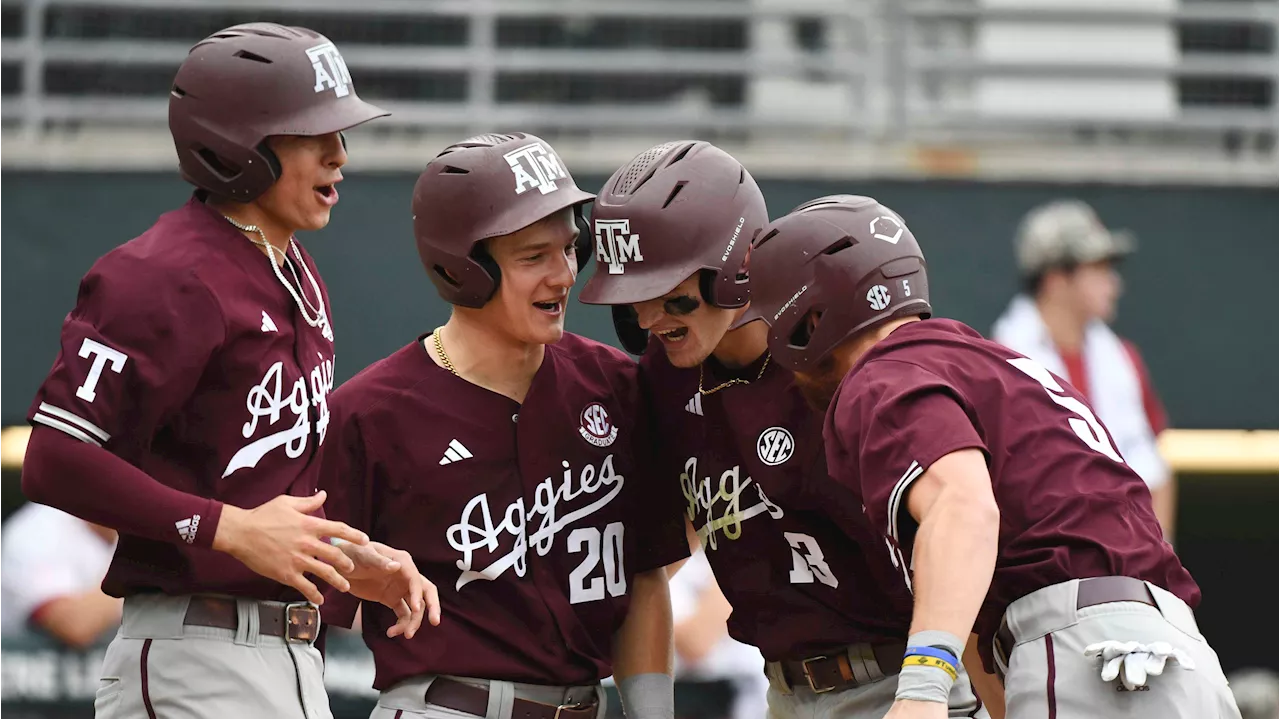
{"type": "Point", "coordinates": [695, 405]}
{"type": "Point", "coordinates": [267, 324]}
{"type": "Point", "coordinates": [455, 453]}
{"type": "Point", "coordinates": [187, 528]}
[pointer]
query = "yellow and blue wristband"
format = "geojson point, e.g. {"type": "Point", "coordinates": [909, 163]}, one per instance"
{"type": "Point", "coordinates": [931, 657]}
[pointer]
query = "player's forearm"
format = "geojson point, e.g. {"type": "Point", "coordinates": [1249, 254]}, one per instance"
{"type": "Point", "coordinates": [954, 557]}
{"type": "Point", "coordinates": [642, 650]}
{"type": "Point", "coordinates": [643, 645]}
{"type": "Point", "coordinates": [78, 620]}
{"type": "Point", "coordinates": [95, 485]}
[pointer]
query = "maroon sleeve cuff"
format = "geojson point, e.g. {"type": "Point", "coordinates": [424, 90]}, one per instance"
{"type": "Point", "coordinates": [209, 520]}
{"type": "Point", "coordinates": [95, 485]}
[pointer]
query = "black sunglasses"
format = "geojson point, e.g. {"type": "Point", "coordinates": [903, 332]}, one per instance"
{"type": "Point", "coordinates": [674, 306]}
{"type": "Point", "coordinates": [681, 306]}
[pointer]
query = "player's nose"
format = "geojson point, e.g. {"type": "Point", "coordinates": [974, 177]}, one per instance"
{"type": "Point", "coordinates": [648, 313]}
{"type": "Point", "coordinates": [565, 273]}
{"type": "Point", "coordinates": [335, 150]}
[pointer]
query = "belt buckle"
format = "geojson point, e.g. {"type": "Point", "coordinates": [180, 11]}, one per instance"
{"type": "Point", "coordinates": [808, 675]}
{"type": "Point", "coordinates": [574, 706]}
{"type": "Point", "coordinates": [300, 622]}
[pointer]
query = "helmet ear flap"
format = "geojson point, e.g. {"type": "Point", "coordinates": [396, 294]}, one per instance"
{"type": "Point", "coordinates": [707, 286]}
{"type": "Point", "coordinates": [582, 246]}
{"type": "Point", "coordinates": [490, 266]}
{"type": "Point", "coordinates": [634, 339]}
{"type": "Point", "coordinates": [273, 162]}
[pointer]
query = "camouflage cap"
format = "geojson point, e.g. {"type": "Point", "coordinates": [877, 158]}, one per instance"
{"type": "Point", "coordinates": [1063, 233]}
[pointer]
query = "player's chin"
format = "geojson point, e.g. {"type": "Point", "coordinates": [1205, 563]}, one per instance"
{"type": "Point", "coordinates": [686, 357]}
{"type": "Point", "coordinates": [545, 330]}
{"type": "Point", "coordinates": [688, 353]}
{"type": "Point", "coordinates": [317, 219]}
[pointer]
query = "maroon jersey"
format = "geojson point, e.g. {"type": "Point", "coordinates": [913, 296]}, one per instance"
{"type": "Point", "coordinates": [187, 358]}
{"type": "Point", "coordinates": [1069, 505]}
{"type": "Point", "coordinates": [791, 550]}
{"type": "Point", "coordinates": [531, 519]}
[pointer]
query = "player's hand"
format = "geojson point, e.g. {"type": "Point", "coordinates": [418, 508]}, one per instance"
{"type": "Point", "coordinates": [912, 709]}
{"type": "Point", "coordinates": [390, 577]}
{"type": "Point", "coordinates": [281, 541]}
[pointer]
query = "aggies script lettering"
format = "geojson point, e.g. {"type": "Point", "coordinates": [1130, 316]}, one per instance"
{"type": "Point", "coordinates": [467, 536]}
{"type": "Point", "coordinates": [697, 492]}
{"type": "Point", "coordinates": [267, 400]}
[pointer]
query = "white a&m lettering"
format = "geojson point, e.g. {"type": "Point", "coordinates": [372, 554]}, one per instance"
{"type": "Point", "coordinates": [615, 245]}
{"type": "Point", "coordinates": [535, 166]}
{"type": "Point", "coordinates": [331, 69]}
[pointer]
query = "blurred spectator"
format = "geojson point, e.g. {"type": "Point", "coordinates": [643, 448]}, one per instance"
{"type": "Point", "coordinates": [704, 650]}
{"type": "Point", "coordinates": [1257, 693]}
{"type": "Point", "coordinates": [51, 569]}
{"type": "Point", "coordinates": [1067, 259]}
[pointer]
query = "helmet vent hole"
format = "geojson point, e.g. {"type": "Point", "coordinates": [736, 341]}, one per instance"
{"type": "Point", "coordinates": [178, 92]}
{"type": "Point", "coordinates": [674, 191]}
{"type": "Point", "coordinates": [486, 140]}
{"type": "Point", "coordinates": [452, 170]}
{"type": "Point", "coordinates": [760, 242]}
{"type": "Point", "coordinates": [742, 175]}
{"type": "Point", "coordinates": [218, 166]}
{"type": "Point", "coordinates": [443, 274]}
{"type": "Point", "coordinates": [255, 57]}
{"type": "Point", "coordinates": [844, 244]}
{"type": "Point", "coordinates": [639, 171]}
{"type": "Point", "coordinates": [680, 155]}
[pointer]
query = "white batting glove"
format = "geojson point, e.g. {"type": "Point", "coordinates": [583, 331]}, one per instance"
{"type": "Point", "coordinates": [1133, 662]}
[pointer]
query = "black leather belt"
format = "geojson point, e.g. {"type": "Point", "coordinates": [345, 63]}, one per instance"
{"type": "Point", "coordinates": [1090, 593]}
{"type": "Point", "coordinates": [296, 622]}
{"type": "Point", "coordinates": [450, 694]}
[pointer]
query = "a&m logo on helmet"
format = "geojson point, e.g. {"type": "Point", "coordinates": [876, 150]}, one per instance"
{"type": "Point", "coordinates": [775, 446]}
{"type": "Point", "coordinates": [535, 165]}
{"type": "Point", "coordinates": [615, 245]}
{"type": "Point", "coordinates": [331, 69]}
{"type": "Point", "coordinates": [596, 427]}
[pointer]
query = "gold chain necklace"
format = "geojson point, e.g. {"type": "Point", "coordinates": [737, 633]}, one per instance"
{"type": "Point", "coordinates": [735, 380]}
{"type": "Point", "coordinates": [444, 356]}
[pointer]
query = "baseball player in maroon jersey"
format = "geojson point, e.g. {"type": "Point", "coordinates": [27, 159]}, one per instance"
{"type": "Point", "coordinates": [673, 228]}
{"type": "Point", "coordinates": [1000, 496]}
{"type": "Point", "coordinates": [187, 405]}
{"type": "Point", "coordinates": [512, 460]}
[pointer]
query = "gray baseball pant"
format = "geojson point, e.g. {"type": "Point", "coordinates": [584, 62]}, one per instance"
{"type": "Point", "coordinates": [406, 700]}
{"type": "Point", "coordinates": [158, 667]}
{"type": "Point", "coordinates": [1048, 675]}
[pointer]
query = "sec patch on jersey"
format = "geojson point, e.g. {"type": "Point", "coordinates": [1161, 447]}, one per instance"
{"type": "Point", "coordinates": [596, 427]}
{"type": "Point", "coordinates": [775, 446]}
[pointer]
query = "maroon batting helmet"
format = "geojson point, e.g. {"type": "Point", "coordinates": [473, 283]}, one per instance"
{"type": "Point", "coordinates": [241, 85]}
{"type": "Point", "coordinates": [486, 186]}
{"type": "Point", "coordinates": [848, 257]}
{"type": "Point", "coordinates": [674, 210]}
